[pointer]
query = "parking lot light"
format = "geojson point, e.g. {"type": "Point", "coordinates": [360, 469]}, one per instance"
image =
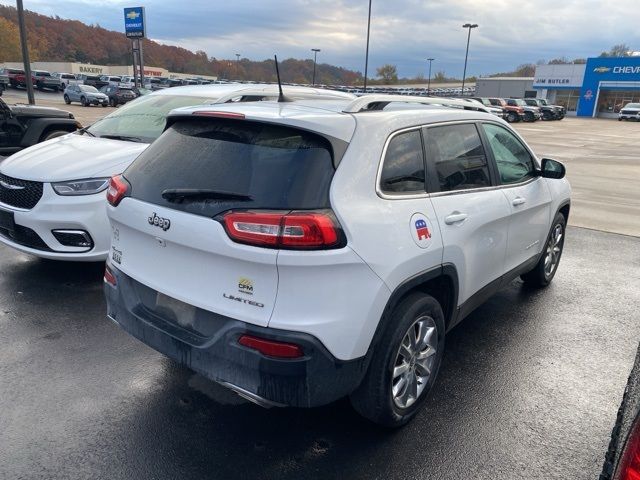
{"type": "Point", "coordinates": [429, 81]}
{"type": "Point", "coordinates": [469, 26]}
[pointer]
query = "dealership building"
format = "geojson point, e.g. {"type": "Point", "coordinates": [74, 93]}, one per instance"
{"type": "Point", "coordinates": [599, 88]}
{"type": "Point", "coordinates": [90, 69]}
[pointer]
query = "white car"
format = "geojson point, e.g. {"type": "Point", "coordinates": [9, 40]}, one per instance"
{"type": "Point", "coordinates": [309, 250]}
{"type": "Point", "coordinates": [631, 111]}
{"type": "Point", "coordinates": [52, 195]}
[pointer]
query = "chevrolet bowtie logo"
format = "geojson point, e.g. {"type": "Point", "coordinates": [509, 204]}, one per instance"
{"type": "Point", "coordinates": [133, 15]}
{"type": "Point", "coordinates": [8, 186]}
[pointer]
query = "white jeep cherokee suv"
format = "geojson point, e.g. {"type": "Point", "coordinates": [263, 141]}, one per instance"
{"type": "Point", "coordinates": [52, 195]}
{"type": "Point", "coordinates": [309, 250]}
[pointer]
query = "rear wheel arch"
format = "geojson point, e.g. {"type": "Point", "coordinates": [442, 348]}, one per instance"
{"type": "Point", "coordinates": [440, 282]}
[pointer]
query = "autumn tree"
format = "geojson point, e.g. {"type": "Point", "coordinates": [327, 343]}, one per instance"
{"type": "Point", "coordinates": [9, 42]}
{"type": "Point", "coordinates": [388, 73]}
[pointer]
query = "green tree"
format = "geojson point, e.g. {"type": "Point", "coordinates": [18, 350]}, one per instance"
{"type": "Point", "coordinates": [388, 73]}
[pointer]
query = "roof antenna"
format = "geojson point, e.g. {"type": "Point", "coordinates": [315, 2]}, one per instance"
{"type": "Point", "coordinates": [281, 98]}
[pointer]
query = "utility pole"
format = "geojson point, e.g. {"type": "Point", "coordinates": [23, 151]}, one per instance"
{"type": "Point", "coordinates": [429, 81]}
{"type": "Point", "coordinates": [238, 65]}
{"type": "Point", "coordinates": [315, 58]}
{"type": "Point", "coordinates": [366, 60]}
{"type": "Point", "coordinates": [466, 55]}
{"type": "Point", "coordinates": [25, 53]}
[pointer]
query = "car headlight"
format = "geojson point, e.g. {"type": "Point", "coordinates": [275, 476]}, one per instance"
{"type": "Point", "coordinates": [89, 186]}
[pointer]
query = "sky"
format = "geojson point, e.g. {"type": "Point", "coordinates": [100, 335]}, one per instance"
{"type": "Point", "coordinates": [403, 32]}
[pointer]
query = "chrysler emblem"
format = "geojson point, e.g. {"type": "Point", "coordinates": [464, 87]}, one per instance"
{"type": "Point", "coordinates": [8, 186]}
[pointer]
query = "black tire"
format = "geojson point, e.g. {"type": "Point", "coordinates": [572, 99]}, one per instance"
{"type": "Point", "coordinates": [112, 102]}
{"type": "Point", "coordinates": [374, 399]}
{"type": "Point", "coordinates": [53, 134]}
{"type": "Point", "coordinates": [539, 277]}
{"type": "Point", "coordinates": [547, 115]}
{"type": "Point", "coordinates": [512, 117]}
{"type": "Point", "coordinates": [104, 105]}
{"type": "Point", "coordinates": [66, 99]}
{"type": "Point", "coordinates": [83, 101]}
{"type": "Point", "coordinates": [528, 117]}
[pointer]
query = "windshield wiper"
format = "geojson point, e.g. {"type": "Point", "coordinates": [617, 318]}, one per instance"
{"type": "Point", "coordinates": [85, 130]}
{"type": "Point", "coordinates": [173, 194]}
{"type": "Point", "coordinates": [125, 138]}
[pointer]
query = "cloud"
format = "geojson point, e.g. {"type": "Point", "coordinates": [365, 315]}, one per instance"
{"type": "Point", "coordinates": [403, 32]}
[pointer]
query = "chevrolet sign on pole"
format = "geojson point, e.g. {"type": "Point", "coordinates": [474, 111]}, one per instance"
{"type": "Point", "coordinates": [134, 22]}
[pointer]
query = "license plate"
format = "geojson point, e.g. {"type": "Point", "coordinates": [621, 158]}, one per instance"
{"type": "Point", "coordinates": [182, 313]}
{"type": "Point", "coordinates": [6, 221]}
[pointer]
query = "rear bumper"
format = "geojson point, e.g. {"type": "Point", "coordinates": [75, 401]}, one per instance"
{"type": "Point", "coordinates": [316, 379]}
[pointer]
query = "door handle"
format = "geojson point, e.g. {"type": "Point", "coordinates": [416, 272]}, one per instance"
{"type": "Point", "coordinates": [455, 217]}
{"type": "Point", "coordinates": [518, 201]}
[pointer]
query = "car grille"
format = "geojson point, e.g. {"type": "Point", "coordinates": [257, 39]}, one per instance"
{"type": "Point", "coordinates": [629, 112]}
{"type": "Point", "coordinates": [26, 195]}
{"type": "Point", "coordinates": [26, 237]}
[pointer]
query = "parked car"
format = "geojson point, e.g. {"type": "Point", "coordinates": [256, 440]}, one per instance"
{"type": "Point", "coordinates": [127, 81]}
{"type": "Point", "coordinates": [531, 114]}
{"type": "Point", "coordinates": [91, 80]}
{"type": "Point", "coordinates": [622, 461]}
{"type": "Point", "coordinates": [40, 79]}
{"type": "Point", "coordinates": [12, 73]}
{"type": "Point", "coordinates": [65, 219]}
{"type": "Point", "coordinates": [308, 272]}
{"type": "Point", "coordinates": [111, 80]}
{"type": "Point", "coordinates": [22, 126]}
{"type": "Point", "coordinates": [85, 95]}
{"type": "Point", "coordinates": [631, 111]}
{"type": "Point", "coordinates": [497, 111]}
{"type": "Point", "coordinates": [66, 79]}
{"type": "Point", "coordinates": [4, 82]}
{"type": "Point", "coordinates": [549, 112]}
{"type": "Point", "coordinates": [514, 113]}
{"type": "Point", "coordinates": [118, 95]}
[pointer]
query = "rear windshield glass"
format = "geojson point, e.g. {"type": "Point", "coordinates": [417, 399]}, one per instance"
{"type": "Point", "coordinates": [237, 164]}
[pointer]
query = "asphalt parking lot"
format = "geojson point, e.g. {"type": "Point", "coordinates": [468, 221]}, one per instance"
{"type": "Point", "coordinates": [529, 387]}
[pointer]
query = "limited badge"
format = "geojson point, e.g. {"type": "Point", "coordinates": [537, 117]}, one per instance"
{"type": "Point", "coordinates": [420, 230]}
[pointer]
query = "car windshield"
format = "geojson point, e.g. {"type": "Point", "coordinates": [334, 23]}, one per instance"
{"type": "Point", "coordinates": [632, 105]}
{"type": "Point", "coordinates": [143, 118]}
{"type": "Point", "coordinates": [43, 74]}
{"type": "Point", "coordinates": [543, 102]}
{"type": "Point", "coordinates": [88, 89]}
{"type": "Point", "coordinates": [522, 103]}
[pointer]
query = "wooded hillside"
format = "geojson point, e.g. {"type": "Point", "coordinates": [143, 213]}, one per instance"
{"type": "Point", "coordinates": [52, 39]}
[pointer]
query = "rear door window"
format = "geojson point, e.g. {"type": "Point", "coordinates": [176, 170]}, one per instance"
{"type": "Point", "coordinates": [458, 156]}
{"type": "Point", "coordinates": [403, 169]}
{"type": "Point", "coordinates": [246, 164]}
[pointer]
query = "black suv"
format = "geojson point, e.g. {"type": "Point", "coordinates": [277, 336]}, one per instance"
{"type": "Point", "coordinates": [22, 126]}
{"type": "Point", "coordinates": [549, 112]}
{"type": "Point", "coordinates": [118, 95]}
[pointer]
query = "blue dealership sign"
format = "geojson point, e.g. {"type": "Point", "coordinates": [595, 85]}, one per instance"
{"type": "Point", "coordinates": [606, 73]}
{"type": "Point", "coordinates": [134, 24]}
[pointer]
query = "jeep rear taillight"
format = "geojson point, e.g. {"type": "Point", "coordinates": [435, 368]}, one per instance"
{"type": "Point", "coordinates": [629, 466]}
{"type": "Point", "coordinates": [118, 188]}
{"type": "Point", "coordinates": [304, 230]}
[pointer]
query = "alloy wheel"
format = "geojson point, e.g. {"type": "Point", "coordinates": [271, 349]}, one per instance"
{"type": "Point", "coordinates": [554, 249]}
{"type": "Point", "coordinates": [414, 362]}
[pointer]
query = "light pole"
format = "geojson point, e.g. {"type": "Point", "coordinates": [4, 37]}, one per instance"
{"type": "Point", "coordinates": [366, 59]}
{"type": "Point", "coordinates": [25, 54]}
{"type": "Point", "coordinates": [466, 55]}
{"type": "Point", "coordinates": [315, 58]}
{"type": "Point", "coordinates": [429, 81]}
{"type": "Point", "coordinates": [238, 65]}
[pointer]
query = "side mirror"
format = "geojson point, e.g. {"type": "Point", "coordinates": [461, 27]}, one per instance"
{"type": "Point", "coordinates": [552, 169]}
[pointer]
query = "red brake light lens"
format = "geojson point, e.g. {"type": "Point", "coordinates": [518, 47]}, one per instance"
{"type": "Point", "coordinates": [271, 348]}
{"type": "Point", "coordinates": [118, 188]}
{"type": "Point", "coordinates": [109, 277]}
{"type": "Point", "coordinates": [629, 468]}
{"type": "Point", "coordinates": [237, 116]}
{"type": "Point", "coordinates": [314, 230]}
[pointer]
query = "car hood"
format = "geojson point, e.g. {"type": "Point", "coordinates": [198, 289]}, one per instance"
{"type": "Point", "coordinates": [37, 111]}
{"type": "Point", "coordinates": [72, 157]}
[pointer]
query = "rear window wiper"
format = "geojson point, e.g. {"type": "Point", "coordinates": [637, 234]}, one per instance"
{"type": "Point", "coordinates": [173, 194]}
{"type": "Point", "coordinates": [125, 138]}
